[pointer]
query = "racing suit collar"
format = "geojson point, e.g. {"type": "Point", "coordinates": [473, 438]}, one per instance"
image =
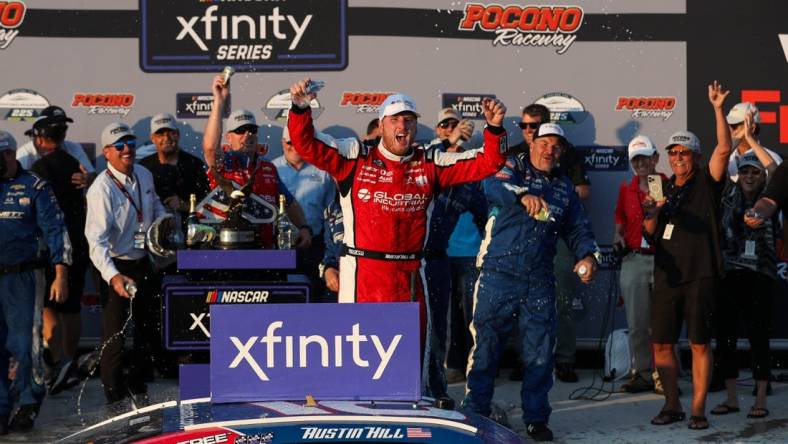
{"type": "Point", "coordinates": [394, 157]}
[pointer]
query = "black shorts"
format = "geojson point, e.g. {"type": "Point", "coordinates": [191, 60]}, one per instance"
{"type": "Point", "coordinates": [76, 286]}
{"type": "Point", "coordinates": [692, 302]}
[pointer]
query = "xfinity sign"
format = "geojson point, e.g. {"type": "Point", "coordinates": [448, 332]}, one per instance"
{"type": "Point", "coordinates": [251, 36]}
{"type": "Point", "coordinates": [331, 351]}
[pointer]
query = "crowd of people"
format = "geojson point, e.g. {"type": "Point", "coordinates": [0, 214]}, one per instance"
{"type": "Point", "coordinates": [487, 240]}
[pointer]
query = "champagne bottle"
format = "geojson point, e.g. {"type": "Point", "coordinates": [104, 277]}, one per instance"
{"type": "Point", "coordinates": [192, 221]}
{"type": "Point", "coordinates": [285, 231]}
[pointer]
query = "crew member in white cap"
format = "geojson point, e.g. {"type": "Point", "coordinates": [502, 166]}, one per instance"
{"type": "Point", "coordinates": [684, 230]}
{"type": "Point", "coordinates": [122, 205]}
{"type": "Point", "coordinates": [242, 159]}
{"type": "Point", "coordinates": [637, 263]}
{"type": "Point", "coordinates": [744, 121]}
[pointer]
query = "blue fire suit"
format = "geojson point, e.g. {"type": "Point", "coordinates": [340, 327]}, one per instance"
{"type": "Point", "coordinates": [448, 206]}
{"type": "Point", "coordinates": [517, 284]}
{"type": "Point", "coordinates": [333, 233]}
{"type": "Point", "coordinates": [28, 210]}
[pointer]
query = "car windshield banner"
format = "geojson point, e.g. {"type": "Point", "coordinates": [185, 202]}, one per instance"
{"type": "Point", "coordinates": [292, 35]}
{"type": "Point", "coordinates": [330, 351]}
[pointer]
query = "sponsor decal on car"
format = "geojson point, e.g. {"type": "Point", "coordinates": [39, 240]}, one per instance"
{"type": "Point", "coordinates": [22, 105]}
{"type": "Point", "coordinates": [530, 25]}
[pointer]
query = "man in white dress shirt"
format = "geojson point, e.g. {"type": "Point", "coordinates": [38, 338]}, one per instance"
{"type": "Point", "coordinates": [122, 205]}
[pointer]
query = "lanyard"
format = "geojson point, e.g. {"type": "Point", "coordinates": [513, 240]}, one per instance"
{"type": "Point", "coordinates": [128, 196]}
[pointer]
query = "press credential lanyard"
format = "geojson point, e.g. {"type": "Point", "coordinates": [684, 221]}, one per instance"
{"type": "Point", "coordinates": [139, 235]}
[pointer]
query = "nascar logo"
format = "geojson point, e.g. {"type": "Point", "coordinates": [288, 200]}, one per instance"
{"type": "Point", "coordinates": [525, 25]}
{"type": "Point", "coordinates": [237, 296]}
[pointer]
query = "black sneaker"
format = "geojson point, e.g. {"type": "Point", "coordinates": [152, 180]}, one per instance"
{"type": "Point", "coordinates": [538, 431]}
{"type": "Point", "coordinates": [499, 415]}
{"type": "Point", "coordinates": [565, 372]}
{"type": "Point", "coordinates": [24, 418]}
{"type": "Point", "coordinates": [64, 378]}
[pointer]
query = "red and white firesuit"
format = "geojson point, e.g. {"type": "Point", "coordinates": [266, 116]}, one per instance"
{"type": "Point", "coordinates": [386, 203]}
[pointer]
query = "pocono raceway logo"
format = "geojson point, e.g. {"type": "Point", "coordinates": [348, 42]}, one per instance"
{"type": "Point", "coordinates": [294, 349]}
{"type": "Point", "coordinates": [365, 102]}
{"type": "Point", "coordinates": [118, 104]}
{"type": "Point", "coordinates": [12, 14]}
{"type": "Point", "coordinates": [647, 107]}
{"type": "Point", "coordinates": [525, 25]}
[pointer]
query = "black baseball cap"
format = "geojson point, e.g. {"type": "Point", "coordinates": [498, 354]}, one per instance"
{"type": "Point", "coordinates": [51, 118]}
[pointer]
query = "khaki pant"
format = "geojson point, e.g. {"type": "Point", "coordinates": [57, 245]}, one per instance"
{"type": "Point", "coordinates": [637, 280]}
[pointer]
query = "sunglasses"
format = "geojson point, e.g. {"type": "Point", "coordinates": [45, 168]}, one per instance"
{"type": "Point", "coordinates": [448, 124]}
{"type": "Point", "coordinates": [119, 145]}
{"type": "Point", "coordinates": [532, 125]}
{"type": "Point", "coordinates": [245, 129]}
{"type": "Point", "coordinates": [680, 153]}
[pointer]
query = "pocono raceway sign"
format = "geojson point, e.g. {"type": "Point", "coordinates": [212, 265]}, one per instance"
{"type": "Point", "coordinates": [331, 351]}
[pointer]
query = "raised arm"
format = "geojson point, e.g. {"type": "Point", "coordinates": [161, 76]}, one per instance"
{"type": "Point", "coordinates": [718, 162]}
{"type": "Point", "coordinates": [763, 155]}
{"type": "Point", "coordinates": [213, 127]}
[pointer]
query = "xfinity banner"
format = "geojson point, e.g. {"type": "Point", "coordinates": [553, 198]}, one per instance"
{"type": "Point", "coordinates": [605, 158]}
{"type": "Point", "coordinates": [330, 351]}
{"type": "Point", "coordinates": [292, 35]}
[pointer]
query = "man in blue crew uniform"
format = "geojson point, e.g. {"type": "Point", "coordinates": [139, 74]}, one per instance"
{"type": "Point", "coordinates": [531, 205]}
{"type": "Point", "coordinates": [28, 209]}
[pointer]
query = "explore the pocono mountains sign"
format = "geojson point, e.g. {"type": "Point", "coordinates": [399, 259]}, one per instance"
{"type": "Point", "coordinates": [192, 35]}
{"type": "Point", "coordinates": [331, 351]}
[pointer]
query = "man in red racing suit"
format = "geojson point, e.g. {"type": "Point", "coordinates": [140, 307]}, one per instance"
{"type": "Point", "coordinates": [386, 193]}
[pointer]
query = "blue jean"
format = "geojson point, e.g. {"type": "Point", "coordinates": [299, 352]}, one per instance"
{"type": "Point", "coordinates": [17, 299]}
{"type": "Point", "coordinates": [500, 301]}
{"type": "Point", "coordinates": [439, 288]}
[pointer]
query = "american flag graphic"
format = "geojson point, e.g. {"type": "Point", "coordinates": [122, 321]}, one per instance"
{"type": "Point", "coordinates": [213, 208]}
{"type": "Point", "coordinates": [418, 432]}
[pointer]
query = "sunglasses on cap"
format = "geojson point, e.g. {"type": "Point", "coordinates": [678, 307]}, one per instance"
{"type": "Point", "coordinates": [120, 144]}
{"type": "Point", "coordinates": [451, 123]}
{"type": "Point", "coordinates": [532, 125]}
{"type": "Point", "coordinates": [681, 153]}
{"type": "Point", "coordinates": [245, 129]}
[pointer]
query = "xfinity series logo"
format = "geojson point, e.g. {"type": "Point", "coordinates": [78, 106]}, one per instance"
{"type": "Point", "coordinates": [271, 35]}
{"type": "Point", "coordinates": [197, 105]}
{"type": "Point", "coordinates": [295, 348]}
{"type": "Point", "coordinates": [525, 25]}
{"type": "Point", "coordinates": [647, 107]}
{"type": "Point", "coordinates": [118, 104]}
{"type": "Point", "coordinates": [365, 102]}
{"type": "Point", "coordinates": [605, 158]}
{"type": "Point", "coordinates": [11, 16]}
{"type": "Point", "coordinates": [22, 105]}
{"type": "Point", "coordinates": [563, 108]}
{"type": "Point", "coordinates": [468, 105]}
{"type": "Point", "coordinates": [278, 105]}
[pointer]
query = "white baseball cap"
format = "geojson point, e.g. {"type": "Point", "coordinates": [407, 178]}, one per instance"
{"type": "Point", "coordinates": [641, 146]}
{"type": "Point", "coordinates": [448, 113]}
{"type": "Point", "coordinates": [395, 104]}
{"type": "Point", "coordinates": [7, 141]}
{"type": "Point", "coordinates": [240, 118]}
{"type": "Point", "coordinates": [549, 129]}
{"type": "Point", "coordinates": [739, 111]}
{"type": "Point", "coordinates": [684, 138]}
{"type": "Point", "coordinates": [162, 121]}
{"type": "Point", "coordinates": [114, 132]}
